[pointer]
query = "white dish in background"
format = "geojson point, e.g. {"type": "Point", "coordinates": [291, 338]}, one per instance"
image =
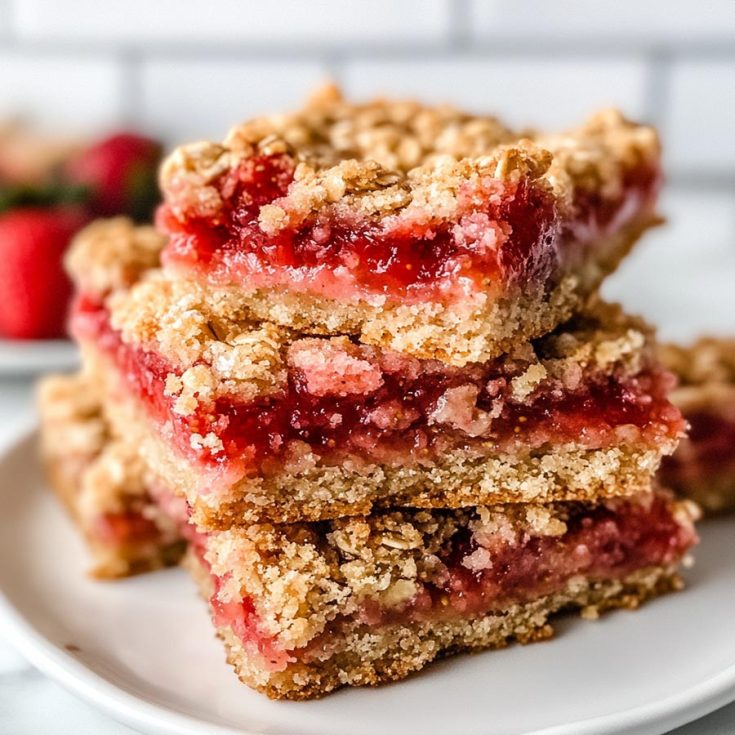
{"type": "Point", "coordinates": [32, 357]}
{"type": "Point", "coordinates": [143, 649]}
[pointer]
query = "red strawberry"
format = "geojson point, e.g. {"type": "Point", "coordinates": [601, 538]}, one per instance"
{"type": "Point", "coordinates": [120, 172]}
{"type": "Point", "coordinates": [35, 288]}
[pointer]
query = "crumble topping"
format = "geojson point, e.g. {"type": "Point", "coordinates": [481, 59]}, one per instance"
{"type": "Point", "coordinates": [110, 472]}
{"type": "Point", "coordinates": [706, 375]}
{"type": "Point", "coordinates": [112, 254]}
{"type": "Point", "coordinates": [385, 157]}
{"type": "Point", "coordinates": [221, 351]}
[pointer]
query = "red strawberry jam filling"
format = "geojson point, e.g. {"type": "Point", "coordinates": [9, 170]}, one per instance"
{"type": "Point", "coordinates": [502, 233]}
{"type": "Point", "coordinates": [480, 573]}
{"type": "Point", "coordinates": [388, 408]}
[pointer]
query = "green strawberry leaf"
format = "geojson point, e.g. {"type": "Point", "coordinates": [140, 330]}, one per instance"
{"type": "Point", "coordinates": [47, 195]}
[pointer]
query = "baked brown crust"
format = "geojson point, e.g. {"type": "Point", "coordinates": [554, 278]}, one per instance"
{"type": "Point", "coordinates": [384, 156]}
{"type": "Point", "coordinates": [705, 372]}
{"type": "Point", "coordinates": [458, 479]}
{"type": "Point", "coordinates": [210, 337]}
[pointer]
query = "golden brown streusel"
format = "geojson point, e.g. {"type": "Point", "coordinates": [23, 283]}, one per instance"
{"type": "Point", "coordinates": [112, 254]}
{"type": "Point", "coordinates": [208, 336]}
{"type": "Point", "coordinates": [386, 155]}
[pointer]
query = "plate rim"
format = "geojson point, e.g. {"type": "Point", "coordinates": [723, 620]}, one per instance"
{"type": "Point", "coordinates": [652, 718]}
{"type": "Point", "coordinates": [37, 356]}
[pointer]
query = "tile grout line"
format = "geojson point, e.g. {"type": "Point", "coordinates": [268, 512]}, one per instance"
{"type": "Point", "coordinates": [658, 86]}
{"type": "Point", "coordinates": [130, 92]}
{"type": "Point", "coordinates": [459, 25]}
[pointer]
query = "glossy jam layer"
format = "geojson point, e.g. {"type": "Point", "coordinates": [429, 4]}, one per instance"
{"type": "Point", "coordinates": [503, 232]}
{"type": "Point", "coordinates": [406, 416]}
{"type": "Point", "coordinates": [599, 544]}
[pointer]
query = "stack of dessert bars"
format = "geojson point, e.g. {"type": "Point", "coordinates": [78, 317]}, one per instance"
{"type": "Point", "coordinates": [359, 366]}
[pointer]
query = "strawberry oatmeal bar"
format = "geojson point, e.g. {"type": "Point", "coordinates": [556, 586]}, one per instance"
{"type": "Point", "coordinates": [252, 422]}
{"type": "Point", "coordinates": [425, 230]}
{"type": "Point", "coordinates": [703, 467]}
{"type": "Point", "coordinates": [101, 481]}
{"type": "Point", "coordinates": [304, 609]}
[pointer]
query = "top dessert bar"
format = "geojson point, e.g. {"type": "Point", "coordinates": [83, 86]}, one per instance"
{"type": "Point", "coordinates": [427, 230]}
{"type": "Point", "coordinates": [703, 467]}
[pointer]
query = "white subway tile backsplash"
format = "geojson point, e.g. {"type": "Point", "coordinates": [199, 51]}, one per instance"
{"type": "Point", "coordinates": [677, 272]}
{"type": "Point", "coordinates": [700, 122]}
{"type": "Point", "coordinates": [60, 91]}
{"type": "Point", "coordinates": [233, 21]}
{"type": "Point", "coordinates": [540, 91]}
{"type": "Point", "coordinates": [193, 100]}
{"type": "Point", "coordinates": [622, 21]}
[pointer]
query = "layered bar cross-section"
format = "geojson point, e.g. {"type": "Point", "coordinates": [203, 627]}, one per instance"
{"type": "Point", "coordinates": [425, 230]}
{"type": "Point", "coordinates": [250, 421]}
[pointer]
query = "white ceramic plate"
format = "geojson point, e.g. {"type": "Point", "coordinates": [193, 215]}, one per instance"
{"type": "Point", "coordinates": [30, 357]}
{"type": "Point", "coordinates": [143, 649]}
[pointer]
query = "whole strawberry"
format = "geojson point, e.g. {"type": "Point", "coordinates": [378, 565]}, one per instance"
{"type": "Point", "coordinates": [35, 288]}
{"type": "Point", "coordinates": [121, 175]}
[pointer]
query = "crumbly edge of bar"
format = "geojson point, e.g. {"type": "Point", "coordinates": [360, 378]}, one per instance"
{"type": "Point", "coordinates": [91, 472]}
{"type": "Point", "coordinates": [394, 158]}
{"type": "Point", "coordinates": [303, 576]}
{"type": "Point", "coordinates": [112, 254]}
{"type": "Point", "coordinates": [189, 321]}
{"type": "Point", "coordinates": [460, 478]}
{"type": "Point", "coordinates": [108, 561]}
{"type": "Point", "coordinates": [369, 657]}
{"type": "Point", "coordinates": [705, 372]}
{"type": "Point", "coordinates": [708, 360]}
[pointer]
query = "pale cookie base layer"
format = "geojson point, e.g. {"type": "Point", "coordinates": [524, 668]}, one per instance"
{"type": "Point", "coordinates": [108, 561]}
{"type": "Point", "coordinates": [474, 331]}
{"type": "Point", "coordinates": [363, 656]}
{"type": "Point", "coordinates": [458, 479]}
